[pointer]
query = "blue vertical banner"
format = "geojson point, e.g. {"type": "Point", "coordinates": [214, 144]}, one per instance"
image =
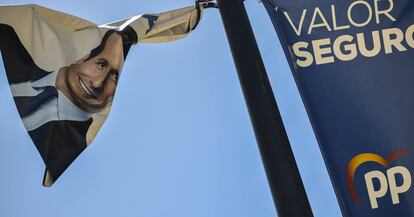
{"type": "Point", "coordinates": [353, 62]}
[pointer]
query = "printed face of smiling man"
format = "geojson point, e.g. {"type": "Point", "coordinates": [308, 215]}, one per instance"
{"type": "Point", "coordinates": [90, 83]}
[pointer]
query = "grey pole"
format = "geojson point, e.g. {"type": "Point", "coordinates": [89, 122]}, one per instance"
{"type": "Point", "coordinates": [282, 172]}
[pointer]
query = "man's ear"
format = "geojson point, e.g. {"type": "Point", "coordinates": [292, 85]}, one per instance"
{"type": "Point", "coordinates": [82, 60]}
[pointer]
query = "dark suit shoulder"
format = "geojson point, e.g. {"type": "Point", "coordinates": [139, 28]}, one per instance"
{"type": "Point", "coordinates": [18, 63]}
{"type": "Point", "coordinates": [60, 143]}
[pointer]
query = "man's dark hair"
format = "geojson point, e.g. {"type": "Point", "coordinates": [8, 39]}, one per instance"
{"type": "Point", "coordinates": [129, 37]}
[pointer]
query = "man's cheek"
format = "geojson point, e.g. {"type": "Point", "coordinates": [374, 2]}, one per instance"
{"type": "Point", "coordinates": [110, 90]}
{"type": "Point", "coordinates": [73, 79]}
{"type": "Point", "coordinates": [84, 70]}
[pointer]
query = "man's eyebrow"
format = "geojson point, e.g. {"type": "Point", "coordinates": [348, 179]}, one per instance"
{"type": "Point", "coordinates": [104, 60]}
{"type": "Point", "coordinates": [114, 71]}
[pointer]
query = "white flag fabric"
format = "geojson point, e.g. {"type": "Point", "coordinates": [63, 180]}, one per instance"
{"type": "Point", "coordinates": [63, 71]}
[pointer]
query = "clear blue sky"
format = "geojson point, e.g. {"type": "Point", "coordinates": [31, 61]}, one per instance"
{"type": "Point", "coordinates": [178, 141]}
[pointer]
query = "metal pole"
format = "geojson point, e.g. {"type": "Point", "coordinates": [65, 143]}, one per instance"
{"type": "Point", "coordinates": [283, 175]}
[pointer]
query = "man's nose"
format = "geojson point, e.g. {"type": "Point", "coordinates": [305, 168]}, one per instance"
{"type": "Point", "coordinates": [98, 81]}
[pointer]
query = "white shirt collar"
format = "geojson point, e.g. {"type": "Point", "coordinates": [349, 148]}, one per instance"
{"type": "Point", "coordinates": [66, 109]}
{"type": "Point", "coordinates": [48, 80]}
{"type": "Point", "coordinates": [69, 111]}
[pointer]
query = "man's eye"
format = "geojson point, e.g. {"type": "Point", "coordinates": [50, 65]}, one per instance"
{"type": "Point", "coordinates": [101, 65]}
{"type": "Point", "coordinates": [114, 76]}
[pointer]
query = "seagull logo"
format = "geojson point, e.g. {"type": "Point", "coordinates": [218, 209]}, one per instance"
{"type": "Point", "coordinates": [151, 21]}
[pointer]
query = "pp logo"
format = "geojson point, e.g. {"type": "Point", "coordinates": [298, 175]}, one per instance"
{"type": "Point", "coordinates": [387, 181]}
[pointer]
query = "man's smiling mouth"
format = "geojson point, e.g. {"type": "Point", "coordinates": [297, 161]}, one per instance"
{"type": "Point", "coordinates": [86, 89]}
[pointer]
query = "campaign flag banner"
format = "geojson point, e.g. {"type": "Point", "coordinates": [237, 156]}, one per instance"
{"type": "Point", "coordinates": [353, 63]}
{"type": "Point", "coordinates": [63, 71]}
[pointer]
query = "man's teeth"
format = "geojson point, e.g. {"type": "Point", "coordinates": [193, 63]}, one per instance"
{"type": "Point", "coordinates": [87, 91]}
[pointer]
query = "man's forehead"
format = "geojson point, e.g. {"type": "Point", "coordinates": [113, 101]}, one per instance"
{"type": "Point", "coordinates": [113, 39]}
{"type": "Point", "coordinates": [113, 50]}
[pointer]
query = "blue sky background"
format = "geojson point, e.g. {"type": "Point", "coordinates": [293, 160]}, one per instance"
{"type": "Point", "coordinates": [178, 141]}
